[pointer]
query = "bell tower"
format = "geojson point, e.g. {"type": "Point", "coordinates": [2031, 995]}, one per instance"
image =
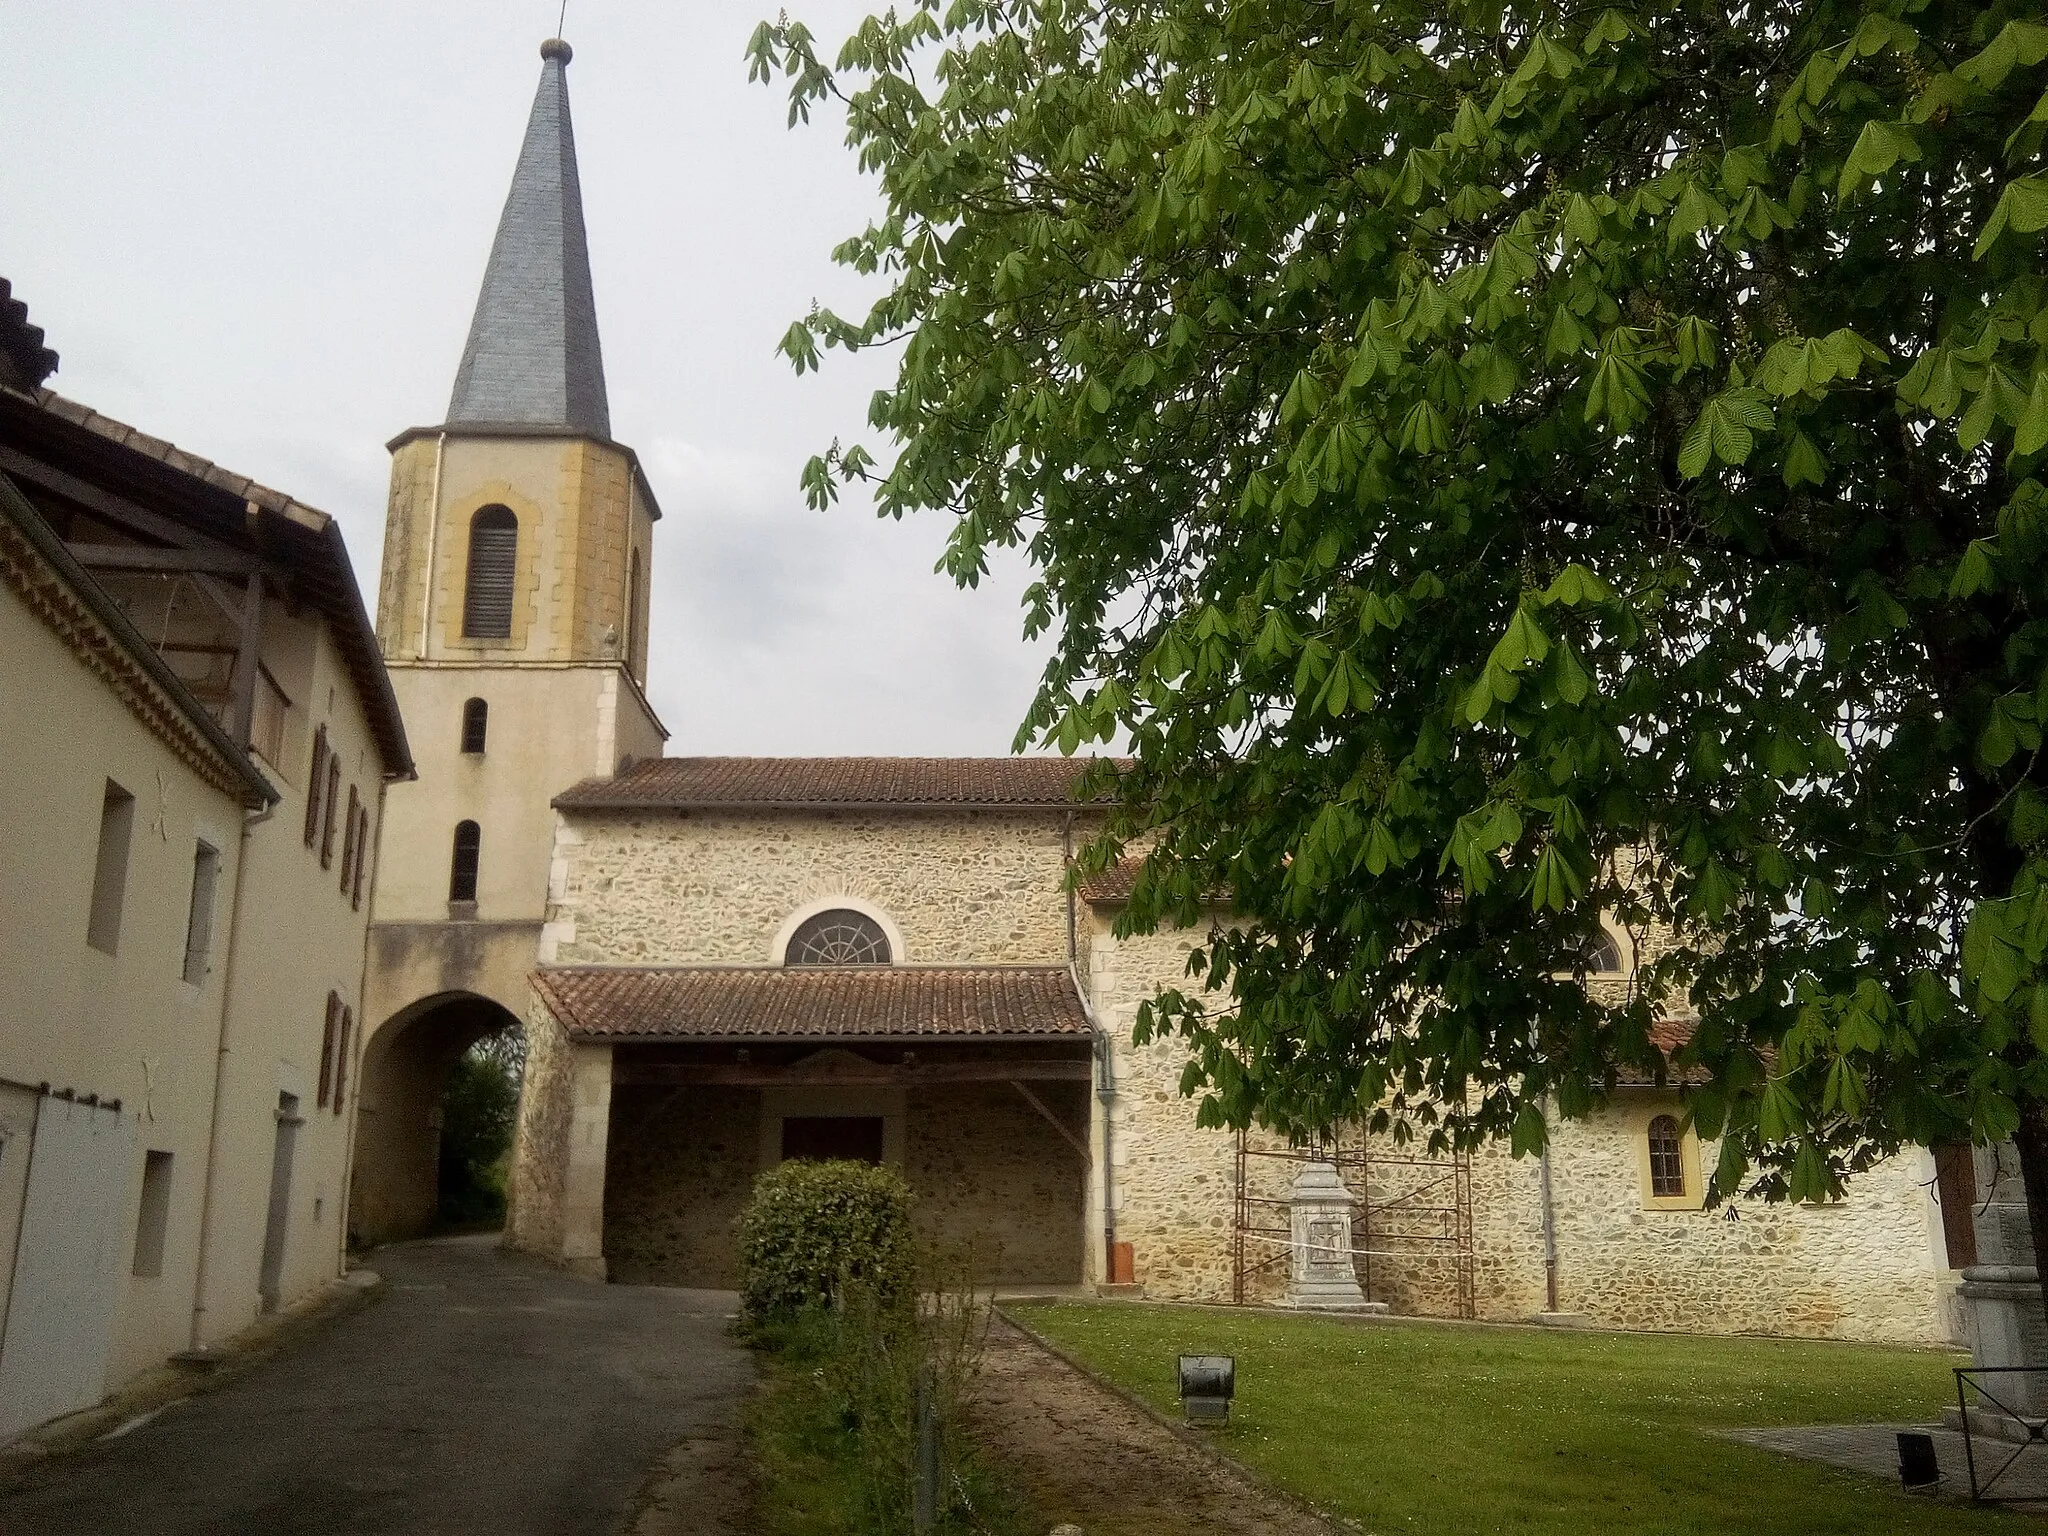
{"type": "Point", "coordinates": [513, 606]}
{"type": "Point", "coordinates": [513, 619]}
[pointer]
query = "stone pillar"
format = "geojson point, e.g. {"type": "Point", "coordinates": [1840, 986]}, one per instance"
{"type": "Point", "coordinates": [1321, 1274]}
{"type": "Point", "coordinates": [590, 1076]}
{"type": "Point", "coordinates": [2002, 1303]}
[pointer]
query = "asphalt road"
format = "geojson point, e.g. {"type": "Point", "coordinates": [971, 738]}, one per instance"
{"type": "Point", "coordinates": [482, 1393]}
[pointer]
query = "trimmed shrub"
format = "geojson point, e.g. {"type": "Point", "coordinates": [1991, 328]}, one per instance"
{"type": "Point", "coordinates": [812, 1229]}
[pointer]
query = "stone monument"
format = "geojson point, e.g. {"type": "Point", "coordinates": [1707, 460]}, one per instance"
{"type": "Point", "coordinates": [1321, 1275]}
{"type": "Point", "coordinates": [2001, 1300]}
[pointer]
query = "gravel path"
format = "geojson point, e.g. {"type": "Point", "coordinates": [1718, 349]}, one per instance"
{"type": "Point", "coordinates": [1087, 1456]}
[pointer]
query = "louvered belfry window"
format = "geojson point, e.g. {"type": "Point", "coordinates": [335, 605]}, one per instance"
{"type": "Point", "coordinates": [493, 563]}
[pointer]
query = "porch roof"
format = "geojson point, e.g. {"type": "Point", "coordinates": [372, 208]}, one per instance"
{"type": "Point", "coordinates": [845, 1002]}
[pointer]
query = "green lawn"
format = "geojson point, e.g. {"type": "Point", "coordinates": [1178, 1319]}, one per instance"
{"type": "Point", "coordinates": [1442, 1427]}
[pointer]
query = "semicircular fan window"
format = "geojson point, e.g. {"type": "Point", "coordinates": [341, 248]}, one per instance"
{"type": "Point", "coordinates": [838, 937]}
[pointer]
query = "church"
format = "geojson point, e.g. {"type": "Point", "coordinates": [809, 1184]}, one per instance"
{"type": "Point", "coordinates": [722, 963]}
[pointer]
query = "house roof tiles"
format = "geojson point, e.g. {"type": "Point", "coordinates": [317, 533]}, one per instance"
{"type": "Point", "coordinates": [826, 783]}
{"type": "Point", "coordinates": [853, 1002]}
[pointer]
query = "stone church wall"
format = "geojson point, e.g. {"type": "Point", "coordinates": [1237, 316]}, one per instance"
{"type": "Point", "coordinates": [698, 888]}
{"type": "Point", "coordinates": [992, 1181]}
{"type": "Point", "coordinates": [995, 1185]}
{"type": "Point", "coordinates": [1863, 1268]}
{"type": "Point", "coordinates": [1175, 1183]}
{"type": "Point", "coordinates": [678, 1169]}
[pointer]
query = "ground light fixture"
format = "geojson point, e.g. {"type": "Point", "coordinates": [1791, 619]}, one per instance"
{"type": "Point", "coordinates": [1917, 1465]}
{"type": "Point", "coordinates": [1207, 1384]}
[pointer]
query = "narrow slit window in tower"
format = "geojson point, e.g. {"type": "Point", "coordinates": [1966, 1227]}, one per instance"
{"type": "Point", "coordinates": [462, 871]}
{"type": "Point", "coordinates": [476, 715]}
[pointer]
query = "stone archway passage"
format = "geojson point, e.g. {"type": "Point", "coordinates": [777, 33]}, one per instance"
{"type": "Point", "coordinates": [394, 1191]}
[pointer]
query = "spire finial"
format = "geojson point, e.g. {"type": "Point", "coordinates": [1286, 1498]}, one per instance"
{"type": "Point", "coordinates": [555, 48]}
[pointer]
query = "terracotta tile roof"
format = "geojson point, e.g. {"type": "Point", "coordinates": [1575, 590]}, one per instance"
{"type": "Point", "coordinates": [851, 1002]}
{"type": "Point", "coordinates": [828, 783]}
{"type": "Point", "coordinates": [1113, 884]}
{"type": "Point", "coordinates": [1668, 1035]}
{"type": "Point", "coordinates": [112, 456]}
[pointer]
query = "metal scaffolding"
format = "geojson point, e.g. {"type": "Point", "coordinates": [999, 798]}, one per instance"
{"type": "Point", "coordinates": [1412, 1231]}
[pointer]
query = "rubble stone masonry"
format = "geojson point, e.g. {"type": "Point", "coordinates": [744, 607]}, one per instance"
{"type": "Point", "coordinates": [714, 888]}
{"type": "Point", "coordinates": [983, 887]}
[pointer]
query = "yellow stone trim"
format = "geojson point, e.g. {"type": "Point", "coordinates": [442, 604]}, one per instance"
{"type": "Point", "coordinates": [1639, 1116]}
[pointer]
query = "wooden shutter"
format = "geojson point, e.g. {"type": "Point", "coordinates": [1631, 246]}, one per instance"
{"type": "Point", "coordinates": [333, 799]}
{"type": "Point", "coordinates": [493, 565]}
{"type": "Point", "coordinates": [351, 844]}
{"type": "Point", "coordinates": [348, 1022]}
{"type": "Point", "coordinates": [314, 781]}
{"type": "Point", "coordinates": [355, 895]}
{"type": "Point", "coordinates": [327, 1036]}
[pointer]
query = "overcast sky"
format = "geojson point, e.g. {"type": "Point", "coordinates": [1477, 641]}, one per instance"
{"type": "Point", "coordinates": [258, 230]}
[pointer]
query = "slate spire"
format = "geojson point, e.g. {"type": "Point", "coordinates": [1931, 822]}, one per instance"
{"type": "Point", "coordinates": [533, 358]}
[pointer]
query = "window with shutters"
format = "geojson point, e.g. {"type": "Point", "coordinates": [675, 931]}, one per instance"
{"type": "Point", "coordinates": [476, 719]}
{"type": "Point", "coordinates": [330, 810]}
{"type": "Point", "coordinates": [110, 869]}
{"type": "Point", "coordinates": [328, 1038]}
{"type": "Point", "coordinates": [351, 844]}
{"type": "Point", "coordinates": [462, 868]}
{"type": "Point", "coordinates": [493, 564]}
{"type": "Point", "coordinates": [348, 1024]}
{"type": "Point", "coordinates": [199, 915]}
{"type": "Point", "coordinates": [316, 782]}
{"type": "Point", "coordinates": [355, 893]}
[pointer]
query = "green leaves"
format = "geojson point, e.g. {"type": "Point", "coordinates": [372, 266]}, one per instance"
{"type": "Point", "coordinates": [1725, 429]}
{"type": "Point", "coordinates": [2022, 209]}
{"type": "Point", "coordinates": [1618, 392]}
{"type": "Point", "coordinates": [2010, 727]}
{"type": "Point", "coordinates": [1878, 148]}
{"type": "Point", "coordinates": [2017, 43]}
{"type": "Point", "coordinates": [1487, 488]}
{"type": "Point", "coordinates": [1576, 586]}
{"type": "Point", "coordinates": [1805, 365]}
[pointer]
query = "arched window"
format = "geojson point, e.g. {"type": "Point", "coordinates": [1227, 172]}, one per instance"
{"type": "Point", "coordinates": [838, 937]}
{"type": "Point", "coordinates": [493, 563]}
{"type": "Point", "coordinates": [1603, 954]}
{"type": "Point", "coordinates": [1667, 1166]}
{"type": "Point", "coordinates": [475, 717]}
{"type": "Point", "coordinates": [462, 869]}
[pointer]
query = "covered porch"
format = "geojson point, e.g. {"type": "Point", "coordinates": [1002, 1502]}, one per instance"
{"type": "Point", "coordinates": [973, 1081]}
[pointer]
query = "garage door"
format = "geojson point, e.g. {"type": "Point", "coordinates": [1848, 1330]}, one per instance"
{"type": "Point", "coordinates": [67, 1263]}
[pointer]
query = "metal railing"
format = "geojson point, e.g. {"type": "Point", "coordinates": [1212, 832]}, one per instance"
{"type": "Point", "coordinates": [1969, 1379]}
